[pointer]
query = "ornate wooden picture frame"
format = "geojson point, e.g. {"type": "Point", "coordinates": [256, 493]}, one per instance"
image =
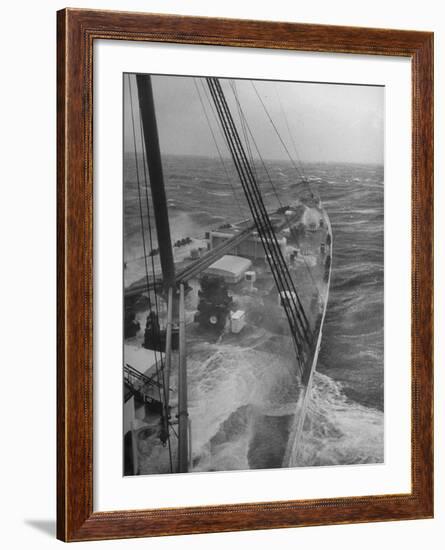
{"type": "Point", "coordinates": [77, 32]}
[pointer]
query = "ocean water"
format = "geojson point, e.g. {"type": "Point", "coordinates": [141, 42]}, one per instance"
{"type": "Point", "coordinates": [240, 415]}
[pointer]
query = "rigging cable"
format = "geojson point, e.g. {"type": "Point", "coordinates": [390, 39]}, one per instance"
{"type": "Point", "coordinates": [296, 315]}
{"type": "Point", "coordinates": [277, 132]}
{"type": "Point", "coordinates": [258, 152]}
{"type": "Point", "coordinates": [234, 142]}
{"type": "Point", "coordinates": [279, 259]}
{"type": "Point", "coordinates": [150, 234]}
{"type": "Point", "coordinates": [304, 177]}
{"type": "Point", "coordinates": [246, 167]}
{"type": "Point", "coordinates": [300, 171]}
{"type": "Point", "coordinates": [242, 176]}
{"type": "Point", "coordinates": [290, 133]}
{"type": "Point", "coordinates": [229, 178]}
{"type": "Point", "coordinates": [139, 192]}
{"type": "Point", "coordinates": [218, 123]}
{"type": "Point", "coordinates": [243, 123]}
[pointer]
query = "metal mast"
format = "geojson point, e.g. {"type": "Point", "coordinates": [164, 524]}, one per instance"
{"type": "Point", "coordinates": [152, 149]}
{"type": "Point", "coordinates": [151, 139]}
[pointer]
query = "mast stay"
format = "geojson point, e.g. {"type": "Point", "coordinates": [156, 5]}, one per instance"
{"type": "Point", "coordinates": [300, 329]}
{"type": "Point", "coordinates": [151, 150]}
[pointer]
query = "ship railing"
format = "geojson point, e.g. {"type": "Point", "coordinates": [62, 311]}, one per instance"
{"type": "Point", "coordinates": [133, 376]}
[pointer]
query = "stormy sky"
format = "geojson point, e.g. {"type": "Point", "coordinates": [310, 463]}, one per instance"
{"type": "Point", "coordinates": [318, 122]}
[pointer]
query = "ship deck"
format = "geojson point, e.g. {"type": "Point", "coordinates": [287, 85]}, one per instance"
{"type": "Point", "coordinates": [306, 246]}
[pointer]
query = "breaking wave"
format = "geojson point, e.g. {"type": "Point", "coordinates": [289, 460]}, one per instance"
{"type": "Point", "coordinates": [338, 430]}
{"type": "Point", "coordinates": [241, 410]}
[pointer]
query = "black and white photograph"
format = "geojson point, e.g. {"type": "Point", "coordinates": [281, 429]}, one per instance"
{"type": "Point", "coordinates": [223, 221]}
{"type": "Point", "coordinates": [253, 274]}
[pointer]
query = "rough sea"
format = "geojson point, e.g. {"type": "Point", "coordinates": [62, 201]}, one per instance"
{"type": "Point", "coordinates": [244, 408]}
